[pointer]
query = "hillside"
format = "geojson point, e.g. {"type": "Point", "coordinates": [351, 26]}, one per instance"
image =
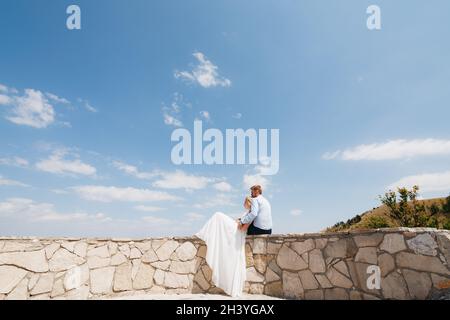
{"type": "Point", "coordinates": [436, 215]}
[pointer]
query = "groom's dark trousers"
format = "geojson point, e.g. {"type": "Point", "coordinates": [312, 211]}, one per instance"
{"type": "Point", "coordinates": [252, 230]}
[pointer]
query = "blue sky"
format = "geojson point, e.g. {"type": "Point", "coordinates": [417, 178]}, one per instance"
{"type": "Point", "coordinates": [86, 115]}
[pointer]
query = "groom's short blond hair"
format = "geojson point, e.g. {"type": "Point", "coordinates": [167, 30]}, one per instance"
{"type": "Point", "coordinates": [257, 188]}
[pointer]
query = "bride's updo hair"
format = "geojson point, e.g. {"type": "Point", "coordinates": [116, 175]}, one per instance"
{"type": "Point", "coordinates": [247, 202]}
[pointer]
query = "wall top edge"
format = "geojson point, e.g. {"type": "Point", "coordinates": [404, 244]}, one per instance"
{"type": "Point", "coordinates": [272, 236]}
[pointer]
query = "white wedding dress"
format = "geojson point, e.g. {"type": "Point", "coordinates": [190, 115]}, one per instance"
{"type": "Point", "coordinates": [225, 253]}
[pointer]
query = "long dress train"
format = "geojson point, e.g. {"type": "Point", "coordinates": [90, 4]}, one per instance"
{"type": "Point", "coordinates": [225, 253]}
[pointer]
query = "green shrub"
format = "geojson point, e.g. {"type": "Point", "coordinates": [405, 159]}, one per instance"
{"type": "Point", "coordinates": [375, 222]}
{"type": "Point", "coordinates": [446, 205]}
{"type": "Point", "coordinates": [405, 208]}
{"type": "Point", "coordinates": [447, 225]}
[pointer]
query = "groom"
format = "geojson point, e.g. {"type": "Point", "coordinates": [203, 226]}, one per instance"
{"type": "Point", "coordinates": [260, 215]}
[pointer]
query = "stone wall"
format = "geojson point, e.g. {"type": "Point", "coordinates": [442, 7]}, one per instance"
{"type": "Point", "coordinates": [414, 264]}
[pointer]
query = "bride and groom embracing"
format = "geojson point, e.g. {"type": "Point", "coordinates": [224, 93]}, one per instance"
{"type": "Point", "coordinates": [225, 241]}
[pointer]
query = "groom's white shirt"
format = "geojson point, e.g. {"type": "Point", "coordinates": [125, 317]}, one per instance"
{"type": "Point", "coordinates": [260, 213]}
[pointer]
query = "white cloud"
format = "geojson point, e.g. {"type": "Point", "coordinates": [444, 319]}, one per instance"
{"type": "Point", "coordinates": [237, 115]}
{"type": "Point", "coordinates": [27, 209]}
{"type": "Point", "coordinates": [393, 149]}
{"type": "Point", "coordinates": [217, 201]}
{"type": "Point", "coordinates": [204, 73]}
{"type": "Point", "coordinates": [223, 186]}
{"type": "Point", "coordinates": [261, 173]}
{"type": "Point", "coordinates": [5, 100]}
{"type": "Point", "coordinates": [251, 180]}
{"type": "Point", "coordinates": [156, 220]}
{"type": "Point", "coordinates": [133, 170]}
{"type": "Point", "coordinates": [205, 115]}
{"type": "Point", "coordinates": [59, 191]}
{"type": "Point", "coordinates": [86, 104]}
{"type": "Point", "coordinates": [14, 161]}
{"type": "Point", "coordinates": [111, 193]}
{"type": "Point", "coordinates": [171, 120]}
{"type": "Point", "coordinates": [181, 180]}
{"type": "Point", "coordinates": [57, 99]}
{"type": "Point", "coordinates": [8, 182]}
{"type": "Point", "coordinates": [31, 109]}
{"type": "Point", "coordinates": [171, 114]}
{"type": "Point", "coordinates": [427, 182]}
{"type": "Point", "coordinates": [148, 208]}
{"type": "Point", "coordinates": [296, 212]}
{"type": "Point", "coordinates": [3, 88]}
{"type": "Point", "coordinates": [193, 216]}
{"type": "Point", "coordinates": [57, 164]}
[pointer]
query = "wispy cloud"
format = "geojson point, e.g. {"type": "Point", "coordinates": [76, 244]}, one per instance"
{"type": "Point", "coordinates": [57, 99]}
{"type": "Point", "coordinates": [148, 208]}
{"type": "Point", "coordinates": [223, 186]}
{"type": "Point", "coordinates": [172, 113]}
{"type": "Point", "coordinates": [9, 182]}
{"type": "Point", "coordinates": [14, 161]}
{"type": "Point", "coordinates": [428, 182]}
{"type": "Point", "coordinates": [218, 201]}
{"type": "Point", "coordinates": [205, 115]}
{"type": "Point", "coordinates": [392, 150]}
{"type": "Point", "coordinates": [296, 212]}
{"type": "Point", "coordinates": [134, 171]}
{"type": "Point", "coordinates": [205, 73]}
{"type": "Point", "coordinates": [193, 216]}
{"type": "Point", "coordinates": [30, 109]}
{"type": "Point", "coordinates": [86, 104]}
{"type": "Point", "coordinates": [128, 194]}
{"type": "Point", "coordinates": [181, 180]}
{"type": "Point", "coordinates": [27, 209]}
{"type": "Point", "coordinates": [58, 163]}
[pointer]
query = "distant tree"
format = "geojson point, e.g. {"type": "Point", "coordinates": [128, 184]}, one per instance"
{"type": "Point", "coordinates": [446, 205]}
{"type": "Point", "coordinates": [435, 209]}
{"type": "Point", "coordinates": [405, 208]}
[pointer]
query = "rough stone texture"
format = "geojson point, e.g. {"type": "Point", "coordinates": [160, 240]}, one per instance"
{"type": "Point", "coordinates": [289, 259]}
{"type": "Point", "coordinates": [101, 280]}
{"type": "Point", "coordinates": [419, 283]}
{"type": "Point", "coordinates": [372, 240]}
{"type": "Point", "coordinates": [308, 280]}
{"type": "Point", "coordinates": [10, 276]}
{"type": "Point", "coordinates": [30, 260]}
{"type": "Point", "coordinates": [341, 248]}
{"type": "Point", "coordinates": [44, 284]}
{"type": "Point", "coordinates": [393, 243]}
{"type": "Point", "coordinates": [64, 260]}
{"type": "Point", "coordinates": [316, 261]}
{"type": "Point", "coordinates": [122, 278]}
{"type": "Point", "coordinates": [413, 264]}
{"type": "Point", "coordinates": [394, 286]}
{"type": "Point", "coordinates": [144, 277]}
{"type": "Point", "coordinates": [386, 263]}
{"type": "Point", "coordinates": [166, 249]}
{"type": "Point", "coordinates": [186, 251]}
{"type": "Point", "coordinates": [303, 246]}
{"type": "Point", "coordinates": [422, 263]}
{"type": "Point", "coordinates": [292, 287]}
{"type": "Point", "coordinates": [423, 244]}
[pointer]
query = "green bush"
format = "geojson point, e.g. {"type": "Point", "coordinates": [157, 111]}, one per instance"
{"type": "Point", "coordinates": [405, 208]}
{"type": "Point", "coordinates": [375, 222]}
{"type": "Point", "coordinates": [447, 225]}
{"type": "Point", "coordinates": [446, 205]}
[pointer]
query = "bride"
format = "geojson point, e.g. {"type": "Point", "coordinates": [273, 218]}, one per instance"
{"type": "Point", "coordinates": [225, 252]}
